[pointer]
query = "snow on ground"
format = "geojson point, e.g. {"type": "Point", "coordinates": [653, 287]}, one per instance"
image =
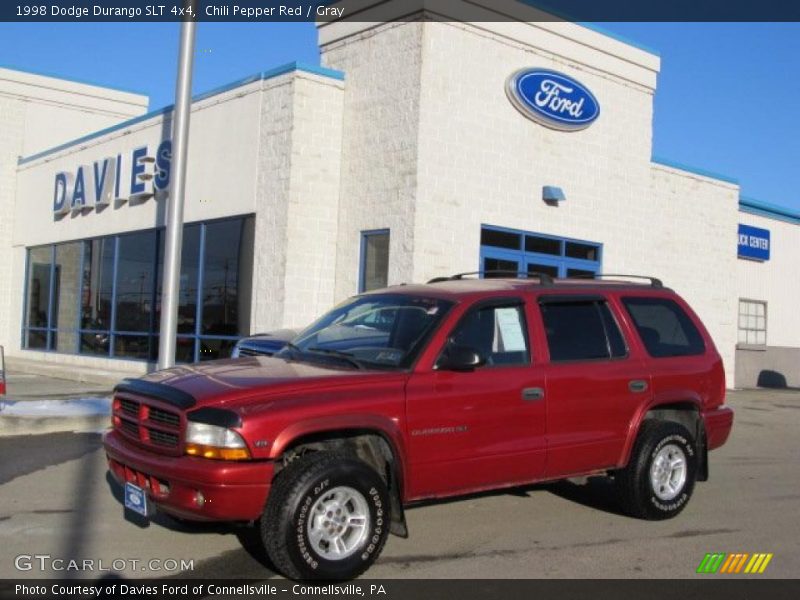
{"type": "Point", "coordinates": [74, 407]}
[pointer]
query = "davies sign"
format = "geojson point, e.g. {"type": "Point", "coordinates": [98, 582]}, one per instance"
{"type": "Point", "coordinates": [552, 99]}
{"type": "Point", "coordinates": [135, 176]}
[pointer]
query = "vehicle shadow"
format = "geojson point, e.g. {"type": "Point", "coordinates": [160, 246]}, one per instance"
{"type": "Point", "coordinates": [232, 564]}
{"type": "Point", "coordinates": [598, 493]}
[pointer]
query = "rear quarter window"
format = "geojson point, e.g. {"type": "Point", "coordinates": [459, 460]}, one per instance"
{"type": "Point", "coordinates": [664, 327]}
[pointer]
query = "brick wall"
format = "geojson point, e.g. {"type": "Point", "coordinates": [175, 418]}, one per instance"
{"type": "Point", "coordinates": [297, 200]}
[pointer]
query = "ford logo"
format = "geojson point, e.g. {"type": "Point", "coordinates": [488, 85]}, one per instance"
{"type": "Point", "coordinates": [552, 99]}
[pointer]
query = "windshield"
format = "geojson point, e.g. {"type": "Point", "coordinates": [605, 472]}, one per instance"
{"type": "Point", "coordinates": [374, 331]}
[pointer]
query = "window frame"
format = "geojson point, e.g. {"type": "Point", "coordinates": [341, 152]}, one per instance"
{"type": "Point", "coordinates": [152, 333]}
{"type": "Point", "coordinates": [500, 302]}
{"type": "Point", "coordinates": [595, 299]}
{"type": "Point", "coordinates": [524, 257]}
{"type": "Point", "coordinates": [739, 329]}
{"type": "Point", "coordinates": [362, 260]}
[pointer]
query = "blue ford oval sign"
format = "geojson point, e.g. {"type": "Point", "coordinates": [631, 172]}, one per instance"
{"type": "Point", "coordinates": [552, 99]}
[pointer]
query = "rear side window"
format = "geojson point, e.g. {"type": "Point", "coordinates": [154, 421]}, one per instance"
{"type": "Point", "coordinates": [665, 329]}
{"type": "Point", "coordinates": [581, 330]}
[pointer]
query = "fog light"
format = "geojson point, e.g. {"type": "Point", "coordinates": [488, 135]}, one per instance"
{"type": "Point", "coordinates": [199, 499]}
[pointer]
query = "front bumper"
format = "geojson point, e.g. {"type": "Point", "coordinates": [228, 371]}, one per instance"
{"type": "Point", "coordinates": [718, 424]}
{"type": "Point", "coordinates": [231, 491]}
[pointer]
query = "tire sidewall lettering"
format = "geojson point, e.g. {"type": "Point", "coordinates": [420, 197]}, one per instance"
{"type": "Point", "coordinates": [687, 448]}
{"type": "Point", "coordinates": [299, 538]}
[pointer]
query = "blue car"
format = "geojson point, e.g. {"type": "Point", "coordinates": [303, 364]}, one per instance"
{"type": "Point", "coordinates": [263, 344]}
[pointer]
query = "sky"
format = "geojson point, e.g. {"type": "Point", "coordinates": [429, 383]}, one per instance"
{"type": "Point", "coordinates": [728, 96]}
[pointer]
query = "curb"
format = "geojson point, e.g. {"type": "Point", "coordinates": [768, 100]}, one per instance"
{"type": "Point", "coordinates": [13, 425]}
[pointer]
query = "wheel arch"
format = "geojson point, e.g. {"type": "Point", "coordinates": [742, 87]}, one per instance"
{"type": "Point", "coordinates": [684, 409]}
{"type": "Point", "coordinates": [376, 441]}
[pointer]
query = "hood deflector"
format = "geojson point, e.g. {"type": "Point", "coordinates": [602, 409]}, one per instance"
{"type": "Point", "coordinates": [157, 391]}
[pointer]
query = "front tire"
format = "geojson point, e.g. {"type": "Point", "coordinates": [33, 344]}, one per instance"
{"type": "Point", "coordinates": [327, 517]}
{"type": "Point", "coordinates": [659, 479]}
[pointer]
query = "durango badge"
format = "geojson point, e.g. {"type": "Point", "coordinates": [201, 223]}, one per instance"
{"type": "Point", "coordinates": [552, 99]}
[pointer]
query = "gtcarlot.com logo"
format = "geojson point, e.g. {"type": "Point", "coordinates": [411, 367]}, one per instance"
{"type": "Point", "coordinates": [46, 562]}
{"type": "Point", "coordinates": [736, 563]}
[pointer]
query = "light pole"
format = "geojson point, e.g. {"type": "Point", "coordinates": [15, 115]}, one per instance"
{"type": "Point", "coordinates": [172, 244]}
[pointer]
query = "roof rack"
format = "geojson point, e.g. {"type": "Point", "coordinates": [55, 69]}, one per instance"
{"type": "Point", "coordinates": [544, 278]}
{"type": "Point", "coordinates": [654, 281]}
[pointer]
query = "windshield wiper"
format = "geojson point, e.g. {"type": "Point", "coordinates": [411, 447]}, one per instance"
{"type": "Point", "coordinates": [346, 356]}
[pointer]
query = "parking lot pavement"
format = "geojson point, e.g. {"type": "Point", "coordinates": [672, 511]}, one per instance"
{"type": "Point", "coordinates": [60, 502]}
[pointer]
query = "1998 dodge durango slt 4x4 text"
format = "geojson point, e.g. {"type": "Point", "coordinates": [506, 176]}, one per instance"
{"type": "Point", "coordinates": [428, 391]}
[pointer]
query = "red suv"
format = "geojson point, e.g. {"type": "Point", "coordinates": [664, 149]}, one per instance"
{"type": "Point", "coordinates": [428, 391]}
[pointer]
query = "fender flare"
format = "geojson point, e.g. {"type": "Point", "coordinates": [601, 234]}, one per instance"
{"type": "Point", "coordinates": [674, 397]}
{"type": "Point", "coordinates": [384, 427]}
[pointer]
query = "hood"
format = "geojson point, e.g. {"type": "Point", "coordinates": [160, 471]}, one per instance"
{"type": "Point", "coordinates": [231, 381]}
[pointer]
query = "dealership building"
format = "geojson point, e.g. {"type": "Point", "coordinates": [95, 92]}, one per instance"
{"type": "Point", "coordinates": [420, 148]}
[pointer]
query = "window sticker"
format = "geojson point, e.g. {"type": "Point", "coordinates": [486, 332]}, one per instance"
{"type": "Point", "coordinates": [509, 323]}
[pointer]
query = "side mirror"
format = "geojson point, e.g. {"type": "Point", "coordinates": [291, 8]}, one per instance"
{"type": "Point", "coordinates": [460, 358]}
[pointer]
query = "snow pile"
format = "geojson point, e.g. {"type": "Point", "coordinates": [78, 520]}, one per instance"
{"type": "Point", "coordinates": [74, 407]}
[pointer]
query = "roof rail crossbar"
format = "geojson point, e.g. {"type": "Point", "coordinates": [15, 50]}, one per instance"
{"type": "Point", "coordinates": [544, 278]}
{"type": "Point", "coordinates": [654, 281]}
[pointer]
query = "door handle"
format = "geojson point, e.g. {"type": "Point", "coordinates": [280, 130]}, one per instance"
{"type": "Point", "coordinates": [637, 385]}
{"type": "Point", "coordinates": [532, 394]}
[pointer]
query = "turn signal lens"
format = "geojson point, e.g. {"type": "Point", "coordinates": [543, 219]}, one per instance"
{"type": "Point", "coordinates": [217, 453]}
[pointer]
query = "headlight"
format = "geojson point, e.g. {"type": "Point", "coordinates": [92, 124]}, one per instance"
{"type": "Point", "coordinates": [212, 441]}
{"type": "Point", "coordinates": [235, 351]}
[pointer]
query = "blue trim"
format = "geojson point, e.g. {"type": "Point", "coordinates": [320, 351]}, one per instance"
{"type": "Point", "coordinates": [51, 293]}
{"type": "Point", "coordinates": [72, 80]}
{"type": "Point", "coordinates": [618, 37]}
{"type": "Point", "coordinates": [770, 211]}
{"type": "Point", "coordinates": [130, 122]}
{"type": "Point", "coordinates": [281, 70]}
{"type": "Point", "coordinates": [112, 326]}
{"type": "Point", "coordinates": [362, 260]}
{"type": "Point", "coordinates": [78, 300]}
{"type": "Point", "coordinates": [523, 258]}
{"type": "Point", "coordinates": [566, 17]}
{"type": "Point", "coordinates": [25, 315]}
{"type": "Point", "coordinates": [198, 309]}
{"type": "Point", "coordinates": [696, 170]}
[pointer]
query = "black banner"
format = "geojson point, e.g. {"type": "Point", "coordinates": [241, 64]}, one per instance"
{"type": "Point", "coordinates": [707, 588]}
{"type": "Point", "coordinates": [399, 10]}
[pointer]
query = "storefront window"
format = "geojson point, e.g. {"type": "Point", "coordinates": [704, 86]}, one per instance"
{"type": "Point", "coordinates": [102, 296]}
{"type": "Point", "coordinates": [38, 300]}
{"type": "Point", "coordinates": [225, 271]}
{"type": "Point", "coordinates": [97, 284]}
{"type": "Point", "coordinates": [136, 270]}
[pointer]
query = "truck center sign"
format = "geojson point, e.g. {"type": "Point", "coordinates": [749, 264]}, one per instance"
{"type": "Point", "coordinates": [753, 243]}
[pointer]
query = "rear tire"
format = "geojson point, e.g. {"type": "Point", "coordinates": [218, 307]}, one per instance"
{"type": "Point", "coordinates": [327, 517]}
{"type": "Point", "coordinates": [659, 479]}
